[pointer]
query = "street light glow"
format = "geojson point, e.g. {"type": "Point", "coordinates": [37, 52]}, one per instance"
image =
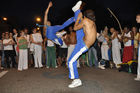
{"type": "Point", "coordinates": [38, 28]}
{"type": "Point", "coordinates": [4, 18]}
{"type": "Point", "coordinates": [38, 19]}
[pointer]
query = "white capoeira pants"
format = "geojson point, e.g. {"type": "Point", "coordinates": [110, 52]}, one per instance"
{"type": "Point", "coordinates": [116, 55]}
{"type": "Point", "coordinates": [15, 46]}
{"type": "Point", "coordinates": [23, 59]}
{"type": "Point", "coordinates": [70, 50]}
{"type": "Point", "coordinates": [104, 51]}
{"type": "Point", "coordinates": [38, 56]}
{"type": "Point", "coordinates": [138, 70]}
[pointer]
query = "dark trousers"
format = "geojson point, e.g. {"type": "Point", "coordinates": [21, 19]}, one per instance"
{"type": "Point", "coordinates": [92, 51]}
{"type": "Point", "coordinates": [10, 54]}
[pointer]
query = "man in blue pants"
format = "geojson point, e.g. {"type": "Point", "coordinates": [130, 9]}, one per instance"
{"type": "Point", "coordinates": [50, 31]}
{"type": "Point", "coordinates": [85, 39]}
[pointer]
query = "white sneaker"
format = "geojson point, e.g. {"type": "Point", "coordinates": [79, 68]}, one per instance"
{"type": "Point", "coordinates": [77, 6]}
{"type": "Point", "coordinates": [56, 66]}
{"type": "Point", "coordinates": [137, 79]}
{"type": "Point", "coordinates": [117, 66]}
{"type": "Point", "coordinates": [101, 67]}
{"type": "Point", "coordinates": [75, 83]}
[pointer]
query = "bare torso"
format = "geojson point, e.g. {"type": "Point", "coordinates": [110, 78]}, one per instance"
{"type": "Point", "coordinates": [90, 32]}
{"type": "Point", "coordinates": [70, 39]}
{"type": "Point", "coordinates": [73, 38]}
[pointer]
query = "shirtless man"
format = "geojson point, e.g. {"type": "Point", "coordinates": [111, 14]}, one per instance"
{"type": "Point", "coordinates": [83, 43]}
{"type": "Point", "coordinates": [72, 42]}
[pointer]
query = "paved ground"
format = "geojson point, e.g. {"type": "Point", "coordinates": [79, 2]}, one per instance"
{"type": "Point", "coordinates": [56, 81]}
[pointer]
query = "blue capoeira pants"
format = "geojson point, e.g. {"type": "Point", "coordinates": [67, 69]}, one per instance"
{"type": "Point", "coordinates": [80, 48]}
{"type": "Point", "coordinates": [51, 30]}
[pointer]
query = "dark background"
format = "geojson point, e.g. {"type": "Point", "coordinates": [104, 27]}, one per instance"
{"type": "Point", "coordinates": [22, 13]}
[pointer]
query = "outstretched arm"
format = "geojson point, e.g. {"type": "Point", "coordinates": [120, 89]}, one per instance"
{"type": "Point", "coordinates": [78, 25]}
{"type": "Point", "coordinates": [46, 17]}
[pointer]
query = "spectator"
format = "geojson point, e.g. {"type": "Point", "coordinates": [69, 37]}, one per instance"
{"type": "Point", "coordinates": [115, 48]}
{"type": "Point", "coordinates": [37, 40]}
{"type": "Point", "coordinates": [23, 52]}
{"type": "Point", "coordinates": [136, 37]}
{"type": "Point", "coordinates": [51, 54]}
{"type": "Point", "coordinates": [8, 50]}
{"type": "Point", "coordinates": [128, 45]}
{"type": "Point", "coordinates": [93, 50]}
{"type": "Point", "coordinates": [27, 36]}
{"type": "Point", "coordinates": [105, 46]}
{"type": "Point", "coordinates": [2, 50]}
{"type": "Point", "coordinates": [15, 40]}
{"type": "Point", "coordinates": [62, 52]}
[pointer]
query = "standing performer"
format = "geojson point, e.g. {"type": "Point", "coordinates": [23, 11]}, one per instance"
{"type": "Point", "coordinates": [138, 70]}
{"type": "Point", "coordinates": [50, 31]}
{"type": "Point", "coordinates": [84, 40]}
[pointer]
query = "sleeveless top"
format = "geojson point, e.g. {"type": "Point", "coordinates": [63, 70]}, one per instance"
{"type": "Point", "coordinates": [115, 41]}
{"type": "Point", "coordinates": [129, 42]}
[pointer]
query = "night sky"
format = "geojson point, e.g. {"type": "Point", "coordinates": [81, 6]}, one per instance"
{"type": "Point", "coordinates": [22, 13]}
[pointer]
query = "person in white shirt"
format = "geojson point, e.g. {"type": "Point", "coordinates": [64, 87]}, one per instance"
{"type": "Point", "coordinates": [37, 40]}
{"type": "Point", "coordinates": [15, 40]}
{"type": "Point", "coordinates": [115, 47]}
{"type": "Point", "coordinates": [51, 54]}
{"type": "Point", "coordinates": [27, 36]}
{"type": "Point", "coordinates": [8, 50]}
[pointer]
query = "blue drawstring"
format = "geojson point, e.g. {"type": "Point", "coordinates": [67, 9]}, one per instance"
{"type": "Point", "coordinates": [41, 25]}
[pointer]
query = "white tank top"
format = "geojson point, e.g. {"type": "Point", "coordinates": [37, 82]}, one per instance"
{"type": "Point", "coordinates": [128, 43]}
{"type": "Point", "coordinates": [115, 41]}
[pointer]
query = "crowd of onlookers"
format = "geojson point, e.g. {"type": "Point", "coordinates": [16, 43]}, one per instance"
{"type": "Point", "coordinates": [19, 49]}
